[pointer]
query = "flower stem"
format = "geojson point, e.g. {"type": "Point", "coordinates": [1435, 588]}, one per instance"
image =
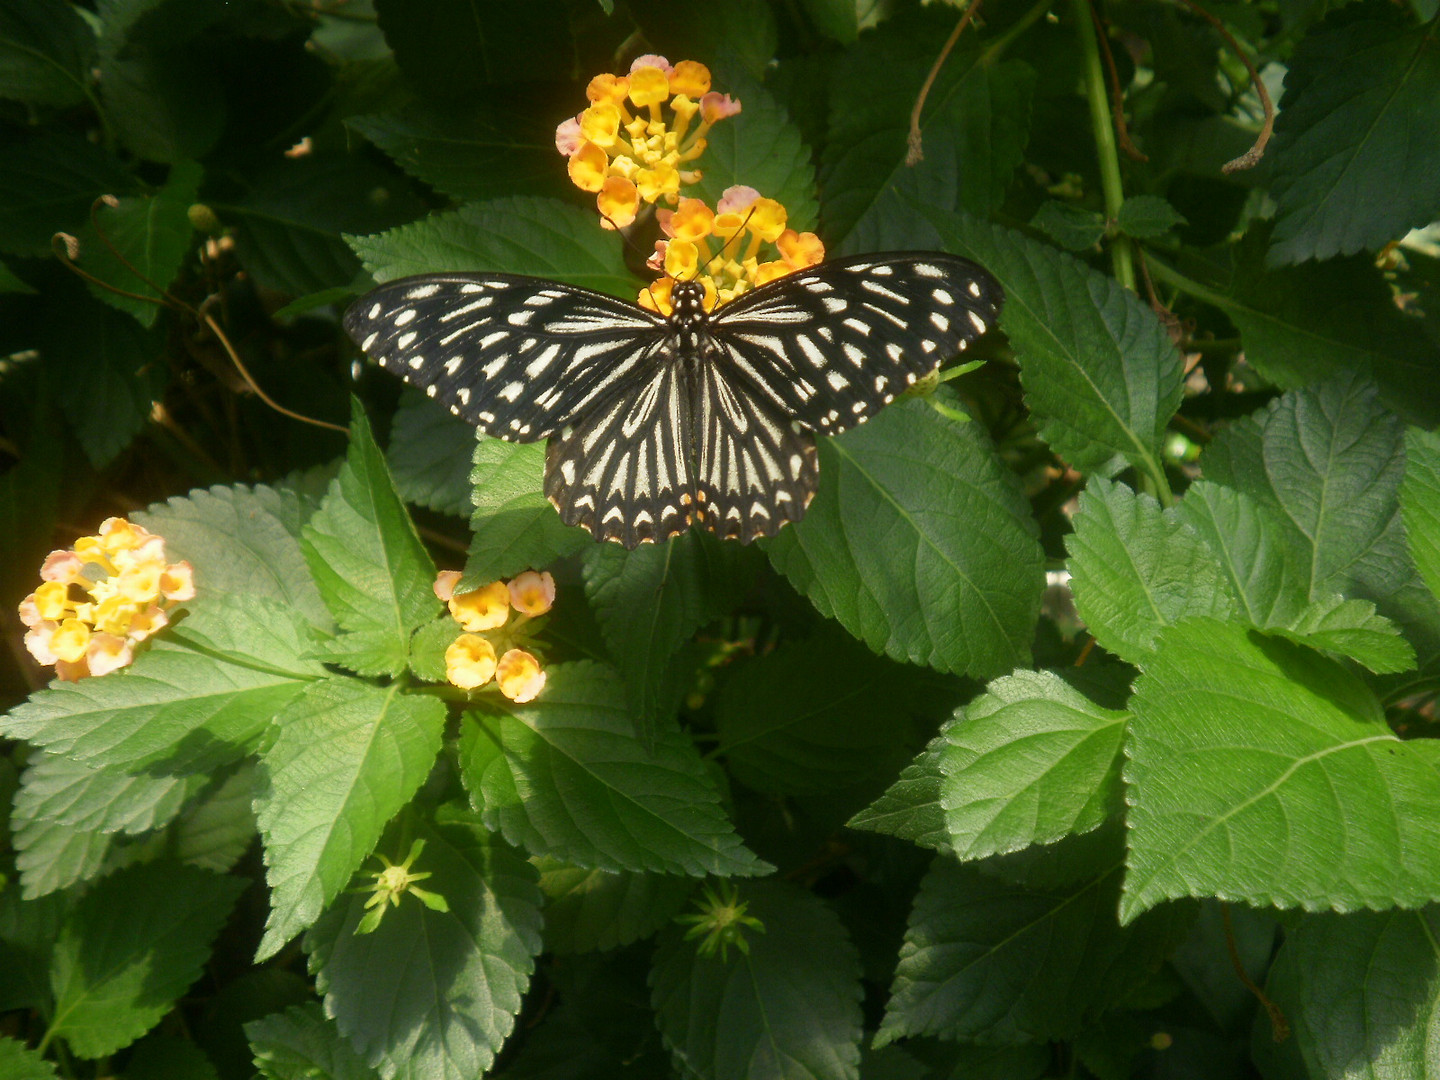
{"type": "Point", "coordinates": [1121, 256]}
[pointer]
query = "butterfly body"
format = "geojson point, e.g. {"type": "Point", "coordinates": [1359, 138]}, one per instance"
{"type": "Point", "coordinates": [659, 423]}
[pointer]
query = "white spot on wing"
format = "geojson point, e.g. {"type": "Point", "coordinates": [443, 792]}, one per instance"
{"type": "Point", "coordinates": [405, 316]}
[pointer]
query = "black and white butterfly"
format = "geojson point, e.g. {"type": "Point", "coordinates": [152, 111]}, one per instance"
{"type": "Point", "coordinates": [656, 424]}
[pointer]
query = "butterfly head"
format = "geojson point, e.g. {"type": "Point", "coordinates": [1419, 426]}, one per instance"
{"type": "Point", "coordinates": [687, 303]}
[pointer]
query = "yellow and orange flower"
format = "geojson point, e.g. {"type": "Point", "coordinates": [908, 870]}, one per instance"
{"type": "Point", "coordinates": [636, 141]}
{"type": "Point", "coordinates": [494, 646]}
{"type": "Point", "coordinates": [725, 248]}
{"type": "Point", "coordinates": [101, 598]}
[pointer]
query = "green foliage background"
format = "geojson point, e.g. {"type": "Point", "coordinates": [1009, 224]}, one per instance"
{"type": "Point", "coordinates": [991, 829]}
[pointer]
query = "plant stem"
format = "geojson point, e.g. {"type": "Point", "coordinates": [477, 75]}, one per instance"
{"type": "Point", "coordinates": [1191, 288]}
{"type": "Point", "coordinates": [1122, 258]}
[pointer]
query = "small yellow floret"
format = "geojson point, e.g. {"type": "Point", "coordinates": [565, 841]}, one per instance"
{"type": "Point", "coordinates": [587, 167]}
{"type": "Point", "coordinates": [619, 201]}
{"type": "Point", "coordinates": [614, 88]}
{"type": "Point", "coordinates": [531, 593]}
{"type": "Point", "coordinates": [600, 124]}
{"type": "Point", "coordinates": [519, 676]}
{"type": "Point", "coordinates": [690, 78]}
{"type": "Point", "coordinates": [470, 661]}
{"type": "Point", "coordinates": [70, 640]}
{"type": "Point", "coordinates": [484, 609]}
{"type": "Point", "coordinates": [52, 600]}
{"type": "Point", "coordinates": [649, 86]}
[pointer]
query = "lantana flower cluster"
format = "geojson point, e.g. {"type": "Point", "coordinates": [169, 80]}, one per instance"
{"type": "Point", "coordinates": [635, 141]}
{"type": "Point", "coordinates": [744, 242]}
{"type": "Point", "coordinates": [101, 598]}
{"type": "Point", "coordinates": [490, 647]}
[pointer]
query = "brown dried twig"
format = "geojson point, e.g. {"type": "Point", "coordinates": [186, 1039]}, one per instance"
{"type": "Point", "coordinates": [1117, 97]}
{"type": "Point", "coordinates": [1251, 157]}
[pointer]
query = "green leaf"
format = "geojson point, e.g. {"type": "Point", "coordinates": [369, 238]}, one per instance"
{"type": "Point", "coordinates": [471, 153]}
{"type": "Point", "coordinates": [590, 910]}
{"type": "Point", "coordinates": [374, 573]}
{"type": "Point", "coordinates": [172, 711]}
{"type": "Point", "coordinates": [1361, 992]}
{"type": "Point", "coordinates": [66, 792]}
{"type": "Point", "coordinates": [741, 32]}
{"type": "Point", "coordinates": [1029, 761]}
{"type": "Point", "coordinates": [52, 857]}
{"type": "Point", "coordinates": [19, 1062]}
{"type": "Point", "coordinates": [46, 52]}
{"type": "Point", "coordinates": [1420, 502]}
{"type": "Point", "coordinates": [161, 96]}
{"type": "Point", "coordinates": [216, 831]}
{"type": "Point", "coordinates": [1073, 227]}
{"type": "Point", "coordinates": [564, 776]}
{"type": "Point", "coordinates": [107, 374]}
{"type": "Point", "coordinates": [1348, 173]}
{"type": "Point", "coordinates": [521, 235]}
{"type": "Point", "coordinates": [760, 148]}
{"type": "Point", "coordinates": [788, 1007]}
{"type": "Point", "coordinates": [151, 233]}
{"type": "Point", "coordinates": [301, 1044]}
{"type": "Point", "coordinates": [10, 282]}
{"type": "Point", "coordinates": [1002, 961]}
{"type": "Point", "coordinates": [249, 631]}
{"type": "Point", "coordinates": [1136, 569]}
{"type": "Point", "coordinates": [1100, 372]}
{"type": "Point", "coordinates": [28, 929]}
{"type": "Point", "coordinates": [1310, 800]}
{"type": "Point", "coordinates": [514, 527]}
{"type": "Point", "coordinates": [289, 227]}
{"type": "Point", "coordinates": [1351, 628]}
{"type": "Point", "coordinates": [1147, 216]}
{"type": "Point", "coordinates": [1330, 460]}
{"type": "Point", "coordinates": [817, 716]}
{"type": "Point", "coordinates": [429, 455]}
{"type": "Point", "coordinates": [241, 540]}
{"type": "Point", "coordinates": [47, 185]}
{"type": "Point", "coordinates": [453, 50]}
{"type": "Point", "coordinates": [975, 127]}
{"type": "Point", "coordinates": [431, 992]}
{"type": "Point", "coordinates": [1305, 324]}
{"type": "Point", "coordinates": [911, 808]}
{"type": "Point", "coordinates": [348, 756]}
{"type": "Point", "coordinates": [920, 543]}
{"type": "Point", "coordinates": [650, 600]}
{"type": "Point", "coordinates": [129, 948]}
{"type": "Point", "coordinates": [168, 1057]}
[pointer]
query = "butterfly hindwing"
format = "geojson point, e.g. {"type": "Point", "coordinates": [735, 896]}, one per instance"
{"type": "Point", "coordinates": [833, 344]}
{"type": "Point", "coordinates": [518, 357]}
{"type": "Point", "coordinates": [623, 472]}
{"type": "Point", "coordinates": [756, 469]}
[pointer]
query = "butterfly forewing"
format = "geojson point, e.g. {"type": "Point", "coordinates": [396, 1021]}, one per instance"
{"type": "Point", "coordinates": [623, 472]}
{"type": "Point", "coordinates": [756, 468]}
{"type": "Point", "coordinates": [518, 357]}
{"type": "Point", "coordinates": [833, 344]}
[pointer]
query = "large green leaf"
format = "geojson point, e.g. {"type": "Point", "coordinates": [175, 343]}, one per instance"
{"type": "Point", "coordinates": [347, 757]}
{"type": "Point", "coordinates": [46, 51]}
{"type": "Point", "coordinates": [589, 910]}
{"type": "Point", "coordinates": [151, 233]}
{"type": "Point", "coordinates": [564, 776]}
{"type": "Point", "coordinates": [241, 541]}
{"type": "Point", "coordinates": [1308, 799]}
{"type": "Point", "coordinates": [975, 128]}
{"type": "Point", "coordinates": [1029, 761]}
{"type": "Point", "coordinates": [59, 789]}
{"type": "Point", "coordinates": [435, 993]}
{"type": "Point", "coordinates": [129, 948]}
{"type": "Point", "coordinates": [1420, 501]}
{"type": "Point", "coordinates": [429, 455]}
{"type": "Point", "coordinates": [651, 599]}
{"type": "Point", "coordinates": [817, 716]}
{"type": "Point", "coordinates": [1010, 961]}
{"type": "Point", "coordinates": [20, 1062]}
{"type": "Point", "coordinates": [1349, 173]}
{"type": "Point", "coordinates": [1100, 372]}
{"type": "Point", "coordinates": [1137, 569]}
{"type": "Point", "coordinates": [1361, 993]}
{"type": "Point", "coordinates": [301, 1043]}
{"type": "Point", "coordinates": [920, 543]}
{"type": "Point", "coordinates": [788, 1008]}
{"type": "Point", "coordinates": [475, 152]}
{"type": "Point", "coordinates": [106, 372]}
{"type": "Point", "coordinates": [521, 235]}
{"type": "Point", "coordinates": [372, 570]}
{"type": "Point", "coordinates": [289, 226]}
{"type": "Point", "coordinates": [911, 809]}
{"type": "Point", "coordinates": [514, 527]}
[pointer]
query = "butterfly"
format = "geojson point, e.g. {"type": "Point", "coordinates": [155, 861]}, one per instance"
{"type": "Point", "coordinates": [659, 423]}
